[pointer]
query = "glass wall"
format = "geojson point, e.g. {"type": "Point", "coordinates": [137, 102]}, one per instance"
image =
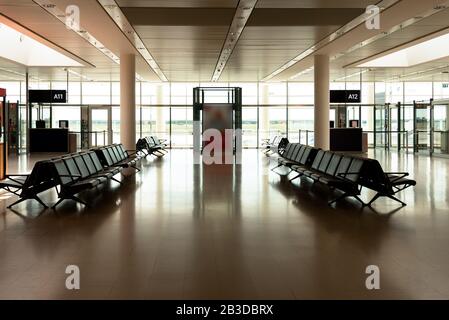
{"type": "Point", "coordinates": [165, 109]}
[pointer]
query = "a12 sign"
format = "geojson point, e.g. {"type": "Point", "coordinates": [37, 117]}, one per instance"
{"type": "Point", "coordinates": [345, 96]}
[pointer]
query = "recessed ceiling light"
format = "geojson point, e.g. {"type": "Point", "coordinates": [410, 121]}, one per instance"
{"type": "Point", "coordinates": [60, 15]}
{"type": "Point", "coordinates": [120, 20]}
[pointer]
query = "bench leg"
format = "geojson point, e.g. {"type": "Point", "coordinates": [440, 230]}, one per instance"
{"type": "Point", "coordinates": [16, 192]}
{"type": "Point", "coordinates": [338, 199]}
{"type": "Point", "coordinates": [392, 197]}
{"type": "Point", "coordinates": [74, 198]}
{"type": "Point", "coordinates": [396, 199]}
{"type": "Point", "coordinates": [360, 200]}
{"type": "Point", "coordinates": [157, 154]}
{"type": "Point", "coordinates": [377, 196]}
{"type": "Point", "coordinates": [57, 203]}
{"type": "Point", "coordinates": [280, 165]}
{"type": "Point", "coordinates": [289, 171]}
{"type": "Point", "coordinates": [116, 180]}
{"type": "Point", "coordinates": [347, 195]}
{"type": "Point", "coordinates": [17, 202]}
{"type": "Point", "coordinates": [298, 176]}
{"type": "Point", "coordinates": [40, 201]}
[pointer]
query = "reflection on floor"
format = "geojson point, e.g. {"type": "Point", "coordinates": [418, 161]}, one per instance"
{"type": "Point", "coordinates": [179, 230]}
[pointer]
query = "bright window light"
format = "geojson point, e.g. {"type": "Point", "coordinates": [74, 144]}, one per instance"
{"type": "Point", "coordinates": [29, 52]}
{"type": "Point", "coordinates": [426, 51]}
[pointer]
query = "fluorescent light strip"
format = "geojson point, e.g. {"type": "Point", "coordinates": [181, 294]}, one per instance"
{"type": "Point", "coordinates": [78, 74]}
{"type": "Point", "coordinates": [116, 14]}
{"type": "Point", "coordinates": [426, 75]}
{"type": "Point", "coordinates": [301, 73]}
{"type": "Point", "coordinates": [20, 74]}
{"type": "Point", "coordinates": [61, 16]}
{"type": "Point", "coordinates": [241, 16]}
{"type": "Point", "coordinates": [422, 72]}
{"type": "Point", "coordinates": [138, 76]}
{"type": "Point", "coordinates": [13, 72]}
{"type": "Point", "coordinates": [353, 75]}
{"type": "Point", "coordinates": [335, 35]}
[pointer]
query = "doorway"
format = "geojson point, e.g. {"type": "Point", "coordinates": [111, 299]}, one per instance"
{"type": "Point", "coordinates": [100, 126]}
{"type": "Point", "coordinates": [441, 127]}
{"type": "Point", "coordinates": [423, 128]}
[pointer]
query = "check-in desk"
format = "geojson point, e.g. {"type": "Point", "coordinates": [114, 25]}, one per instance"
{"type": "Point", "coordinates": [49, 140]}
{"type": "Point", "coordinates": [348, 140]}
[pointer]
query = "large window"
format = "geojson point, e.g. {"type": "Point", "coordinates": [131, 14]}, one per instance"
{"type": "Point", "coordinates": [181, 127]}
{"type": "Point", "coordinates": [249, 127]}
{"type": "Point", "coordinates": [72, 114]}
{"type": "Point", "coordinates": [300, 120]}
{"type": "Point", "coordinates": [417, 91]}
{"type": "Point", "coordinates": [269, 109]}
{"type": "Point", "coordinates": [96, 93]}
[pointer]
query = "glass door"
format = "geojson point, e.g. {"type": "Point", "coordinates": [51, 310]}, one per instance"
{"type": "Point", "coordinates": [423, 131]}
{"type": "Point", "coordinates": [394, 126]}
{"type": "Point", "coordinates": [441, 128]}
{"type": "Point", "coordinates": [353, 116]}
{"type": "Point", "coordinates": [40, 116]}
{"type": "Point", "coordinates": [100, 126]}
{"type": "Point", "coordinates": [381, 116]}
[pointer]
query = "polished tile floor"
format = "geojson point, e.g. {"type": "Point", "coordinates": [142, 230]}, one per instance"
{"type": "Point", "coordinates": [183, 231]}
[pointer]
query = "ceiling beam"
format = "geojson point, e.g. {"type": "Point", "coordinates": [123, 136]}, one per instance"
{"type": "Point", "coordinates": [241, 16]}
{"type": "Point", "coordinates": [344, 30]}
{"type": "Point", "coordinates": [393, 15]}
{"type": "Point", "coordinates": [116, 14]}
{"type": "Point", "coordinates": [260, 17]}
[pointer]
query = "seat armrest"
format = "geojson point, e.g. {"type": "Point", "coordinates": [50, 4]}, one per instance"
{"type": "Point", "coordinates": [16, 181]}
{"type": "Point", "coordinates": [344, 175]}
{"type": "Point", "coordinates": [399, 175]}
{"type": "Point", "coordinates": [70, 175]}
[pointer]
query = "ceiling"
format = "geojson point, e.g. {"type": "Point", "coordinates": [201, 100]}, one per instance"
{"type": "Point", "coordinates": [186, 37]}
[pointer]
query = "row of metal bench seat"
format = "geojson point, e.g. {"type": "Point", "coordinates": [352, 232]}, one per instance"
{"type": "Point", "coordinates": [278, 143]}
{"type": "Point", "coordinates": [117, 156]}
{"type": "Point", "coordinates": [78, 172]}
{"type": "Point", "coordinates": [343, 172]}
{"type": "Point", "coordinates": [71, 174]}
{"type": "Point", "coordinates": [152, 145]}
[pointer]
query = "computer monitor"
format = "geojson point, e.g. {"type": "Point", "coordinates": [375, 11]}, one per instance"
{"type": "Point", "coordinates": [64, 124]}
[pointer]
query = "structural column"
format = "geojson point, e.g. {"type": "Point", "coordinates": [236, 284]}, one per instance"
{"type": "Point", "coordinates": [322, 101]}
{"type": "Point", "coordinates": [264, 112]}
{"type": "Point", "coordinates": [160, 120]}
{"type": "Point", "coordinates": [128, 101]}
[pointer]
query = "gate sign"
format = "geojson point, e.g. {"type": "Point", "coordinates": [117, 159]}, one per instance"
{"type": "Point", "coordinates": [47, 96]}
{"type": "Point", "coordinates": [346, 96]}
